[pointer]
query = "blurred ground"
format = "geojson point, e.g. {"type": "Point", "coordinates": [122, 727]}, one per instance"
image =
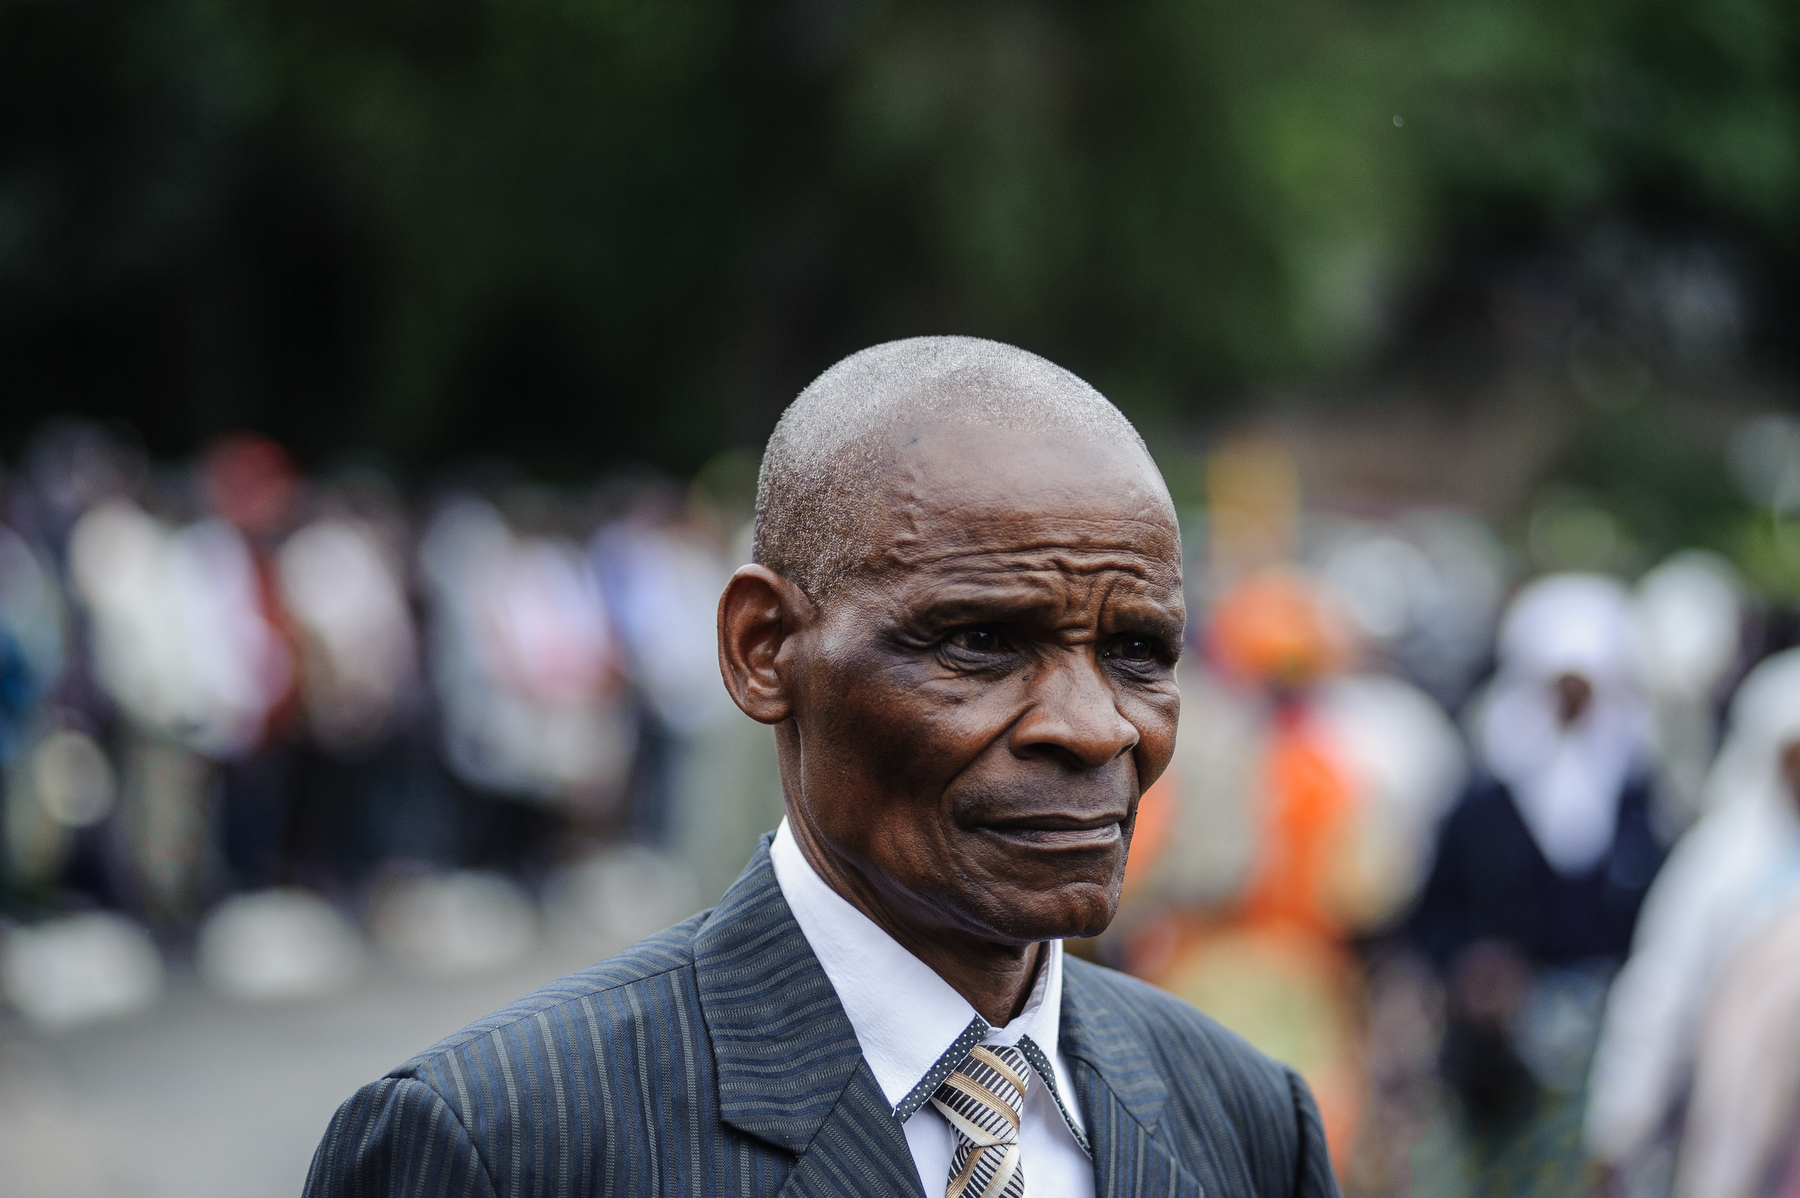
{"type": "Point", "coordinates": [204, 1097]}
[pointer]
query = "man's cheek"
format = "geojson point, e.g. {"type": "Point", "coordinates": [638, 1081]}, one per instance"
{"type": "Point", "coordinates": [1155, 747]}
{"type": "Point", "coordinates": [908, 749]}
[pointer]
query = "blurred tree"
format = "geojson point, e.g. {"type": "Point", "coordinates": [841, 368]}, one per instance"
{"type": "Point", "coordinates": [590, 230]}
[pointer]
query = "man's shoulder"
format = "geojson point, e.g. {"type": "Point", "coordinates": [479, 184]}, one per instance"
{"type": "Point", "coordinates": [603, 999]}
{"type": "Point", "coordinates": [1216, 1083]}
{"type": "Point", "coordinates": [1164, 1015]}
{"type": "Point", "coordinates": [502, 1097]}
{"type": "Point", "coordinates": [1192, 1050]}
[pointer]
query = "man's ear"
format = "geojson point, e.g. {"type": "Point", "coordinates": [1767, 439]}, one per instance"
{"type": "Point", "coordinates": [758, 612]}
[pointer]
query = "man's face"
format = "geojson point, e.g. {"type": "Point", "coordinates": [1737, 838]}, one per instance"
{"type": "Point", "coordinates": [981, 707]}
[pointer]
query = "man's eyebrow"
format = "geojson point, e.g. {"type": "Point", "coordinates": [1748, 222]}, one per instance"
{"type": "Point", "coordinates": [950, 604]}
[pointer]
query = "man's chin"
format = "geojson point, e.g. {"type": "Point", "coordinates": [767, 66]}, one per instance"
{"type": "Point", "coordinates": [1019, 915]}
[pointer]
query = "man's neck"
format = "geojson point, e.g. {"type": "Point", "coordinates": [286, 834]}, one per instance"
{"type": "Point", "coordinates": [995, 978]}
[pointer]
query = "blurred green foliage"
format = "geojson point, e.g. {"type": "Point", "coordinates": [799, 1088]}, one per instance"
{"type": "Point", "coordinates": [577, 231]}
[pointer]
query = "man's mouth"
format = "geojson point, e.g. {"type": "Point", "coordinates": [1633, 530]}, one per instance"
{"type": "Point", "coordinates": [1060, 831]}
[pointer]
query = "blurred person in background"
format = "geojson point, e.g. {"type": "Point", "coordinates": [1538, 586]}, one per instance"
{"type": "Point", "coordinates": [705, 783]}
{"type": "Point", "coordinates": [1690, 615]}
{"type": "Point", "coordinates": [364, 791]}
{"type": "Point", "coordinates": [1283, 929]}
{"type": "Point", "coordinates": [530, 683]}
{"type": "Point", "coordinates": [1294, 824]}
{"type": "Point", "coordinates": [1538, 877]}
{"type": "Point", "coordinates": [250, 484]}
{"type": "Point", "coordinates": [64, 836]}
{"type": "Point", "coordinates": [1741, 1134]}
{"type": "Point", "coordinates": [40, 819]}
{"type": "Point", "coordinates": [1726, 879]}
{"type": "Point", "coordinates": [186, 642]}
{"type": "Point", "coordinates": [1334, 781]}
{"type": "Point", "coordinates": [661, 575]}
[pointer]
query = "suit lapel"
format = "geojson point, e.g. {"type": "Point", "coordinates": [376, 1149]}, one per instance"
{"type": "Point", "coordinates": [860, 1149]}
{"type": "Point", "coordinates": [1121, 1095]}
{"type": "Point", "coordinates": [790, 1069]}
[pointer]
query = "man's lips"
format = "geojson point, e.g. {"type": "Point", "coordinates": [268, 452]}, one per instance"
{"type": "Point", "coordinates": [1060, 831]}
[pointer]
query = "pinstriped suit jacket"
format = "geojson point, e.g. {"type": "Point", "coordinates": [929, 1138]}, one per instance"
{"type": "Point", "coordinates": [714, 1059]}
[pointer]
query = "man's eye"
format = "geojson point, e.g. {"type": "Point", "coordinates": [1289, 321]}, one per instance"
{"type": "Point", "coordinates": [978, 640]}
{"type": "Point", "coordinates": [1137, 648]}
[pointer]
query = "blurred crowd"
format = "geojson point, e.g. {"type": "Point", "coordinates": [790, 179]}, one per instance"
{"type": "Point", "coordinates": [1461, 843]}
{"type": "Point", "coordinates": [253, 722]}
{"type": "Point", "coordinates": [1507, 865]}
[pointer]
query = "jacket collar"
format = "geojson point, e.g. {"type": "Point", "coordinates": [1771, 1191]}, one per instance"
{"type": "Point", "coordinates": [791, 1071]}
{"type": "Point", "coordinates": [1094, 1032]}
{"type": "Point", "coordinates": [1121, 1093]}
{"type": "Point", "coordinates": [789, 1067]}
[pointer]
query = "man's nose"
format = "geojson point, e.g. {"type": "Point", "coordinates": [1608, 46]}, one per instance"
{"type": "Point", "coordinates": [1074, 714]}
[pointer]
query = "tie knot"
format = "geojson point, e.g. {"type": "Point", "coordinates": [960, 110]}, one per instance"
{"type": "Point", "coordinates": [985, 1096]}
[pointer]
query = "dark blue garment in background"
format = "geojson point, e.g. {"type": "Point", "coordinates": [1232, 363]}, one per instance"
{"type": "Point", "coordinates": [1491, 882]}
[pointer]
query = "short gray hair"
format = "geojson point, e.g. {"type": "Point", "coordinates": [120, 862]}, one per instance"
{"type": "Point", "coordinates": [827, 451]}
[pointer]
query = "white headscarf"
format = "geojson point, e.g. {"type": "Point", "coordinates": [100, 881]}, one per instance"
{"type": "Point", "coordinates": [1764, 719]}
{"type": "Point", "coordinates": [1565, 782]}
{"type": "Point", "coordinates": [1726, 878]}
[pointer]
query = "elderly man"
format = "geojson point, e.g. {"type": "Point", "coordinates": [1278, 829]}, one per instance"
{"type": "Point", "coordinates": [962, 623]}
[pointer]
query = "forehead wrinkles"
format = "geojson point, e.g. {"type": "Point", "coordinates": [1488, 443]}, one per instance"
{"type": "Point", "coordinates": [1079, 582]}
{"type": "Point", "coordinates": [1063, 555]}
{"type": "Point", "coordinates": [1076, 598]}
{"type": "Point", "coordinates": [925, 521]}
{"type": "Point", "coordinates": [1138, 555]}
{"type": "Point", "coordinates": [969, 505]}
{"type": "Point", "coordinates": [1045, 568]}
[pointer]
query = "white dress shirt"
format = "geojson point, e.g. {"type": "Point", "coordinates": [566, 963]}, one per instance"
{"type": "Point", "coordinates": [906, 1018]}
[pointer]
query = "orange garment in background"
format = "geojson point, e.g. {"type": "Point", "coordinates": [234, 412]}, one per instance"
{"type": "Point", "coordinates": [1150, 832]}
{"type": "Point", "coordinates": [1273, 967]}
{"type": "Point", "coordinates": [1307, 826]}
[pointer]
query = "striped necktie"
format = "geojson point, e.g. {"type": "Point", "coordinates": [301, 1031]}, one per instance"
{"type": "Point", "coordinates": [984, 1099]}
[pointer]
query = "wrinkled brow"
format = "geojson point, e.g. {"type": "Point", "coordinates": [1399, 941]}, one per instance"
{"type": "Point", "coordinates": [1040, 597]}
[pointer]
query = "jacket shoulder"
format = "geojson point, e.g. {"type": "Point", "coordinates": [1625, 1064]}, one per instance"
{"type": "Point", "coordinates": [532, 1087]}
{"type": "Point", "coordinates": [666, 952]}
{"type": "Point", "coordinates": [1210, 1071]}
{"type": "Point", "coordinates": [369, 1149]}
{"type": "Point", "coordinates": [1170, 1025]}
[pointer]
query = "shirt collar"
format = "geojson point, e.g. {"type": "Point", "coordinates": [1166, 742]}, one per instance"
{"type": "Point", "coordinates": [905, 1016]}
